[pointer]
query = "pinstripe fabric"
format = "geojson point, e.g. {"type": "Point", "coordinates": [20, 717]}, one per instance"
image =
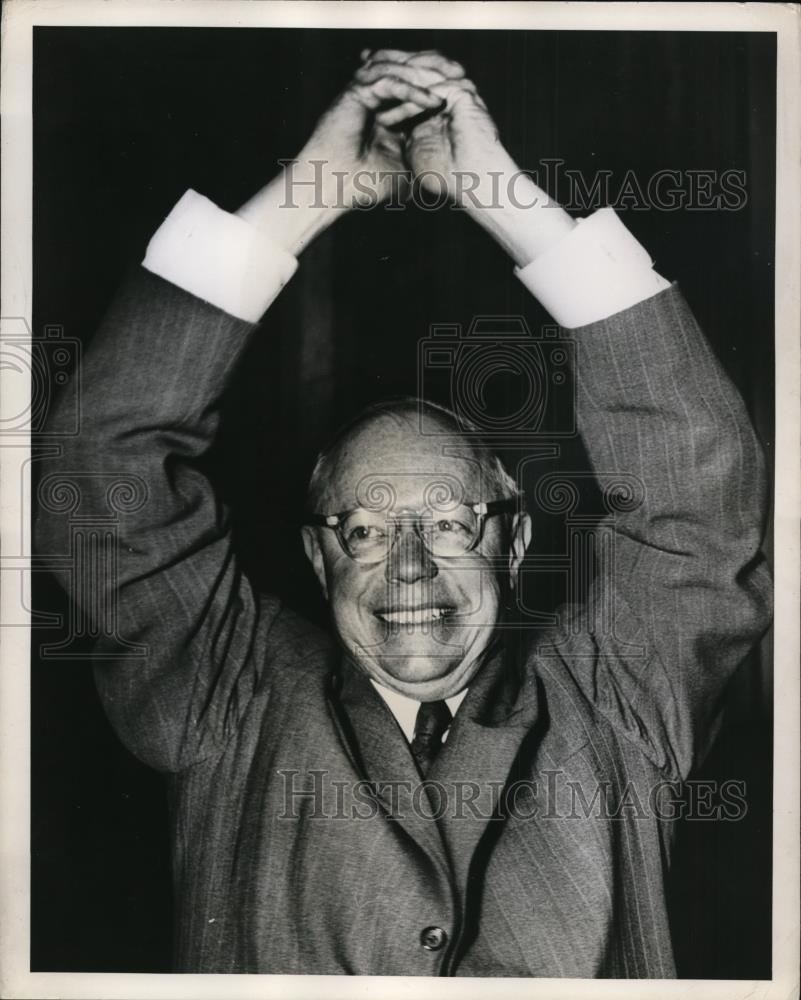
{"type": "Point", "coordinates": [241, 702]}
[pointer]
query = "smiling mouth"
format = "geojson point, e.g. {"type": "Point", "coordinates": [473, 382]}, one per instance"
{"type": "Point", "coordinates": [415, 616]}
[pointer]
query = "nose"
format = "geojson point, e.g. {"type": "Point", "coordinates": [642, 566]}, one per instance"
{"type": "Point", "coordinates": [409, 560]}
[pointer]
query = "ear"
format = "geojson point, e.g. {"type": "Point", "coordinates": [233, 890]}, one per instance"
{"type": "Point", "coordinates": [520, 540]}
{"type": "Point", "coordinates": [314, 553]}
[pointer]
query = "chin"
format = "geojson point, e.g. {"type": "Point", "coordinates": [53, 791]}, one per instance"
{"type": "Point", "coordinates": [419, 664]}
{"type": "Point", "coordinates": [424, 678]}
{"type": "Point", "coordinates": [415, 657]}
{"type": "Point", "coordinates": [417, 669]}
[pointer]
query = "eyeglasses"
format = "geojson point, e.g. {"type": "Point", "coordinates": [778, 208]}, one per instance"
{"type": "Point", "coordinates": [367, 536]}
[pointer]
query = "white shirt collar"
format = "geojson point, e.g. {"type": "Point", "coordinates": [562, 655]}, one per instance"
{"type": "Point", "coordinates": [405, 709]}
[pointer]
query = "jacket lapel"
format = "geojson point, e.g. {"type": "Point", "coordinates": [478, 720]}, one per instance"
{"type": "Point", "coordinates": [381, 755]}
{"type": "Point", "coordinates": [499, 711]}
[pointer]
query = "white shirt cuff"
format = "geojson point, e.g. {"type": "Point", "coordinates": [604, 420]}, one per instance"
{"type": "Point", "coordinates": [596, 270]}
{"type": "Point", "coordinates": [219, 258]}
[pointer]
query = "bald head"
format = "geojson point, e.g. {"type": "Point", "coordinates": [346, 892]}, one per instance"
{"type": "Point", "coordinates": [406, 439]}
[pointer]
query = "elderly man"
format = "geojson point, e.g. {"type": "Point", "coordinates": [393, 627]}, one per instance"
{"type": "Point", "coordinates": [438, 792]}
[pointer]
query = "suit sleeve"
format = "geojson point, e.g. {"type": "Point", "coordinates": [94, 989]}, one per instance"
{"type": "Point", "coordinates": [152, 382]}
{"type": "Point", "coordinates": [681, 590]}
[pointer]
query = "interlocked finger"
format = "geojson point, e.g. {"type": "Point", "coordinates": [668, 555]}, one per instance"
{"type": "Point", "coordinates": [452, 91]}
{"type": "Point", "coordinates": [434, 60]}
{"type": "Point", "coordinates": [429, 59]}
{"type": "Point", "coordinates": [420, 76]}
{"type": "Point", "coordinates": [393, 88]}
{"type": "Point", "coordinates": [449, 92]}
{"type": "Point", "coordinates": [399, 113]}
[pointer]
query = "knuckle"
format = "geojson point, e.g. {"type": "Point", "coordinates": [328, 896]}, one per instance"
{"type": "Point", "coordinates": [391, 55]}
{"type": "Point", "coordinates": [444, 88]}
{"type": "Point", "coordinates": [464, 86]}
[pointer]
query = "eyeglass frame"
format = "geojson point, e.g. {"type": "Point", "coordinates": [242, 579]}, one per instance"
{"type": "Point", "coordinates": [481, 510]}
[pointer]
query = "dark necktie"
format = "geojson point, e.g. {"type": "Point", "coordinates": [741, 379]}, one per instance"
{"type": "Point", "coordinates": [433, 719]}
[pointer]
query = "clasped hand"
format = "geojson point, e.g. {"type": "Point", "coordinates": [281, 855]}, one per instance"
{"type": "Point", "coordinates": [406, 117]}
{"type": "Point", "coordinates": [409, 122]}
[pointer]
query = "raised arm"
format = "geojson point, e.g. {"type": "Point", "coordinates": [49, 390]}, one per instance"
{"type": "Point", "coordinates": [681, 590]}
{"type": "Point", "coordinates": [151, 387]}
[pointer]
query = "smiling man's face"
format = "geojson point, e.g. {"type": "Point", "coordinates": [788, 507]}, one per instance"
{"type": "Point", "coordinates": [415, 622]}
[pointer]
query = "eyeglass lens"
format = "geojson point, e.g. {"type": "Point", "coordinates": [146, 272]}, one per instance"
{"type": "Point", "coordinates": [368, 535]}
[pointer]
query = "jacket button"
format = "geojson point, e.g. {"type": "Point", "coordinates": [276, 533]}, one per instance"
{"type": "Point", "coordinates": [433, 938]}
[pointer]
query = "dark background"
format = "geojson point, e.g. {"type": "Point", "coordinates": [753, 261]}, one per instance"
{"type": "Point", "coordinates": [124, 121]}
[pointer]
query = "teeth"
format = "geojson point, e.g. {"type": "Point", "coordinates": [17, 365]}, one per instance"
{"type": "Point", "coordinates": [414, 617]}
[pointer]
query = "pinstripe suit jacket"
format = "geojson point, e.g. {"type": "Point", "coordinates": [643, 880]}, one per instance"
{"type": "Point", "coordinates": [264, 732]}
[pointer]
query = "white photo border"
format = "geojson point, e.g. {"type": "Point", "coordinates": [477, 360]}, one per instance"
{"type": "Point", "coordinates": [18, 19]}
